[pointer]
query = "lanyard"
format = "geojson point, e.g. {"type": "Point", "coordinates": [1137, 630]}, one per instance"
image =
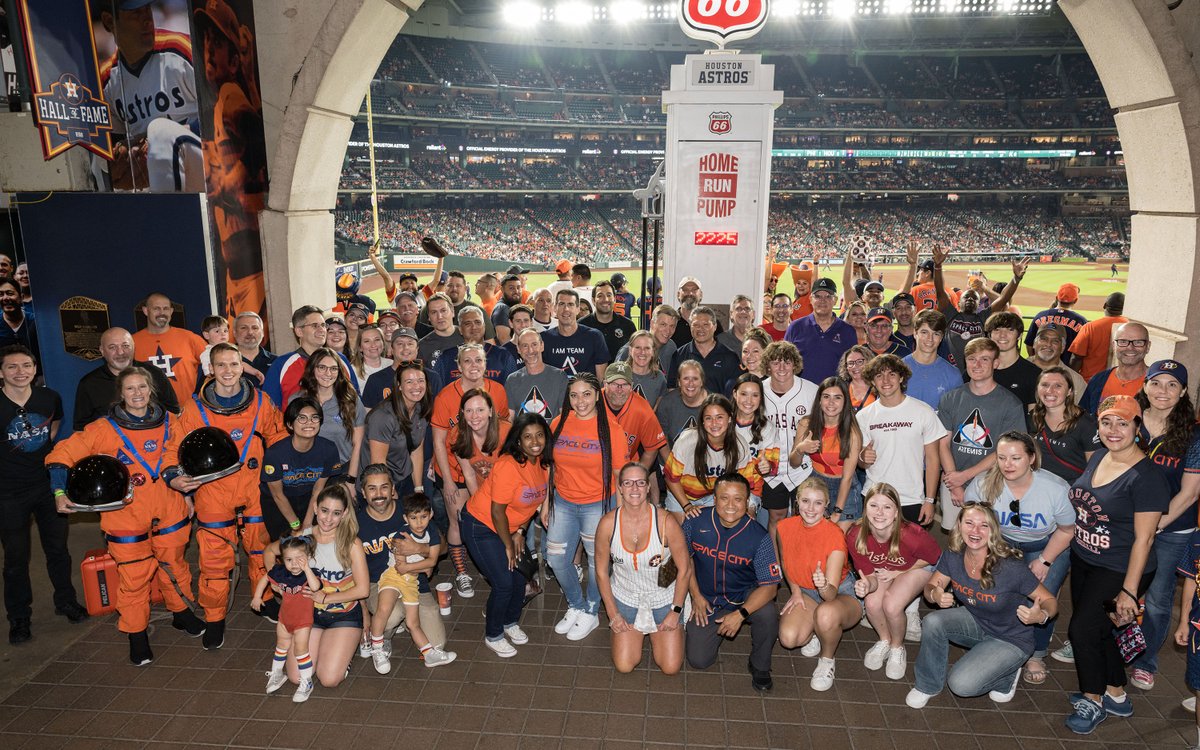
{"type": "Point", "coordinates": [253, 425]}
{"type": "Point", "coordinates": [134, 451]}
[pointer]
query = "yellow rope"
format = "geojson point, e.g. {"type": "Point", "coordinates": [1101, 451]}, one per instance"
{"type": "Point", "coordinates": [371, 148]}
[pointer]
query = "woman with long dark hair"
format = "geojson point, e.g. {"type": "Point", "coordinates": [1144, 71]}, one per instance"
{"type": "Point", "coordinates": [327, 381]}
{"type": "Point", "coordinates": [1065, 434]}
{"type": "Point", "coordinates": [1036, 518]}
{"type": "Point", "coordinates": [588, 450]}
{"type": "Point", "coordinates": [829, 435]}
{"type": "Point", "coordinates": [700, 454]}
{"type": "Point", "coordinates": [494, 524]}
{"type": "Point", "coordinates": [395, 430]}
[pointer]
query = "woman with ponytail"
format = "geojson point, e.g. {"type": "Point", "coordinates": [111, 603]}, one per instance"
{"type": "Point", "coordinates": [588, 448]}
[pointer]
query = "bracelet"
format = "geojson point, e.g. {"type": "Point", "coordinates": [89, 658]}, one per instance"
{"type": "Point", "coordinates": [1131, 596]}
{"type": "Point", "coordinates": [419, 488]}
{"type": "Point", "coordinates": [295, 524]}
{"type": "Point", "coordinates": [59, 493]}
{"type": "Point", "coordinates": [835, 509]}
{"type": "Point", "coordinates": [1045, 617]}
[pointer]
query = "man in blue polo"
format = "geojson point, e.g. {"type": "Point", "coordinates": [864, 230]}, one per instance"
{"type": "Point", "coordinates": [821, 336]}
{"type": "Point", "coordinates": [736, 578]}
{"type": "Point", "coordinates": [720, 364]}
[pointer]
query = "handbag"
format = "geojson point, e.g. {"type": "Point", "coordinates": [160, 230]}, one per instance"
{"type": "Point", "coordinates": [527, 565]}
{"type": "Point", "coordinates": [667, 573]}
{"type": "Point", "coordinates": [1131, 641]}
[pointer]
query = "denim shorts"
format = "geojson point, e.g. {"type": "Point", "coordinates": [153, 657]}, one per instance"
{"type": "Point", "coordinates": [852, 510]}
{"type": "Point", "coordinates": [845, 587]}
{"type": "Point", "coordinates": [629, 612]}
{"type": "Point", "coordinates": [323, 620]}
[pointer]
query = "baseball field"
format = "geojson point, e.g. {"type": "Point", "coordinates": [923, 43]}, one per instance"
{"type": "Point", "coordinates": [1035, 294]}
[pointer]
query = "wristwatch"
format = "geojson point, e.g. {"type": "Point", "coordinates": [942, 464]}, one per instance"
{"type": "Point", "coordinates": [744, 613]}
{"type": "Point", "coordinates": [835, 509]}
{"type": "Point", "coordinates": [1046, 562]}
{"type": "Point", "coordinates": [929, 499]}
{"type": "Point", "coordinates": [677, 609]}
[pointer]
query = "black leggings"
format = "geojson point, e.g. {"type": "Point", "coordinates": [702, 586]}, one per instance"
{"type": "Point", "coordinates": [1098, 663]}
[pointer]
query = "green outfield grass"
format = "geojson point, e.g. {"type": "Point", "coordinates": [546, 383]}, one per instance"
{"type": "Point", "coordinates": [1036, 293]}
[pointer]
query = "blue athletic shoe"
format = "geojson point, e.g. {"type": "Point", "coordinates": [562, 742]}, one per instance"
{"type": "Point", "coordinates": [1087, 716]}
{"type": "Point", "coordinates": [1122, 709]}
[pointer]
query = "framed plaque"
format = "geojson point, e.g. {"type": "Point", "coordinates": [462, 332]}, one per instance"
{"type": "Point", "coordinates": [83, 320]}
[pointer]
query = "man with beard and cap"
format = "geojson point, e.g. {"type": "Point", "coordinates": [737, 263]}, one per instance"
{"type": "Point", "coordinates": [97, 390]}
{"type": "Point", "coordinates": [965, 322]}
{"type": "Point", "coordinates": [1047, 352]}
{"type": "Point", "coordinates": [537, 387]}
{"type": "Point", "coordinates": [174, 351]}
{"type": "Point", "coordinates": [623, 300]}
{"type": "Point", "coordinates": [615, 328]}
{"type": "Point", "coordinates": [1090, 349]}
{"type": "Point", "coordinates": [510, 297]}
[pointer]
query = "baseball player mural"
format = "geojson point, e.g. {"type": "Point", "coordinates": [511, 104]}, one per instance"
{"type": "Point", "coordinates": [150, 86]}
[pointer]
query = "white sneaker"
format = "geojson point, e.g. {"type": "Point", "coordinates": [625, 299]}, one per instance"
{"type": "Point", "coordinates": [435, 657]}
{"type": "Point", "coordinates": [1189, 704]}
{"type": "Point", "coordinates": [303, 690]}
{"type": "Point", "coordinates": [383, 664]}
{"type": "Point", "coordinates": [502, 648]}
{"type": "Point", "coordinates": [812, 648]}
{"type": "Point", "coordinates": [465, 588]}
{"type": "Point", "coordinates": [822, 676]}
{"type": "Point", "coordinates": [916, 699]}
{"type": "Point", "coordinates": [1007, 695]}
{"type": "Point", "coordinates": [583, 627]}
{"type": "Point", "coordinates": [275, 680]}
{"type": "Point", "coordinates": [516, 635]}
{"type": "Point", "coordinates": [912, 629]}
{"type": "Point", "coordinates": [877, 655]}
{"type": "Point", "coordinates": [563, 625]}
{"type": "Point", "coordinates": [897, 662]}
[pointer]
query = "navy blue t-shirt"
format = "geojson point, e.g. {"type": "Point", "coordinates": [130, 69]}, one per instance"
{"type": "Point", "coordinates": [299, 471]}
{"type": "Point", "coordinates": [1104, 516]}
{"type": "Point", "coordinates": [380, 384]}
{"type": "Point", "coordinates": [376, 534]}
{"type": "Point", "coordinates": [582, 351]}
{"type": "Point", "coordinates": [994, 608]}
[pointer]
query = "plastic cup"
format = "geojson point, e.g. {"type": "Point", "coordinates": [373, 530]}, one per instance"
{"type": "Point", "coordinates": [443, 596]}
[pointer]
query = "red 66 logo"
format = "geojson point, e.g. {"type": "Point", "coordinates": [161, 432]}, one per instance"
{"type": "Point", "coordinates": [722, 21]}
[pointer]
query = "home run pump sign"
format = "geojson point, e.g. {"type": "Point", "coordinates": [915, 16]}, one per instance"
{"type": "Point", "coordinates": [720, 117]}
{"type": "Point", "coordinates": [722, 21]}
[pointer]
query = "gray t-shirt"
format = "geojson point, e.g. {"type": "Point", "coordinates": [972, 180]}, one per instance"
{"type": "Point", "coordinates": [976, 422]}
{"type": "Point", "coordinates": [675, 416]}
{"type": "Point", "coordinates": [430, 347]}
{"type": "Point", "coordinates": [733, 343]}
{"type": "Point", "coordinates": [384, 427]}
{"type": "Point", "coordinates": [651, 386]}
{"type": "Point", "coordinates": [1043, 509]}
{"type": "Point", "coordinates": [331, 425]}
{"type": "Point", "coordinates": [539, 394]}
{"type": "Point", "coordinates": [995, 608]}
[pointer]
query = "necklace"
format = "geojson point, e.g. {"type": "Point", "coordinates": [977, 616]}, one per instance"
{"type": "Point", "coordinates": [973, 568]}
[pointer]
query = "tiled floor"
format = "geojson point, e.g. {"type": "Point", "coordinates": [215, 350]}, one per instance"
{"type": "Point", "coordinates": [552, 694]}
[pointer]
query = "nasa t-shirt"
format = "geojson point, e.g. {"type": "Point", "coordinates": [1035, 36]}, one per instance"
{"type": "Point", "coordinates": [976, 422]}
{"type": "Point", "coordinates": [537, 394]}
{"type": "Point", "coordinates": [582, 351]}
{"type": "Point", "coordinates": [27, 441]}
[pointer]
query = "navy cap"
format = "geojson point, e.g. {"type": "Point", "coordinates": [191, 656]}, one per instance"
{"type": "Point", "coordinates": [879, 313]}
{"type": "Point", "coordinates": [926, 265]}
{"type": "Point", "coordinates": [904, 297]}
{"type": "Point", "coordinates": [1168, 367]}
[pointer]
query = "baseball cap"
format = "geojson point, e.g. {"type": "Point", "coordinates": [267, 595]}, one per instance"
{"type": "Point", "coordinates": [879, 313]}
{"type": "Point", "coordinates": [904, 297]}
{"type": "Point", "coordinates": [860, 286]}
{"type": "Point", "coordinates": [563, 266]}
{"type": "Point", "coordinates": [444, 277]}
{"type": "Point", "coordinates": [406, 276]}
{"type": "Point", "coordinates": [510, 276]}
{"type": "Point", "coordinates": [517, 270]}
{"type": "Point", "coordinates": [618, 371]}
{"type": "Point", "coordinates": [405, 332]}
{"type": "Point", "coordinates": [216, 12]}
{"type": "Point", "coordinates": [335, 320]}
{"type": "Point", "coordinates": [1068, 293]}
{"type": "Point", "coordinates": [1168, 367]}
{"type": "Point", "coordinates": [824, 284]}
{"type": "Point", "coordinates": [689, 280]}
{"type": "Point", "coordinates": [618, 279]}
{"type": "Point", "coordinates": [358, 307]}
{"type": "Point", "coordinates": [1048, 329]}
{"type": "Point", "coordinates": [1125, 407]}
{"type": "Point", "coordinates": [873, 283]}
{"type": "Point", "coordinates": [926, 265]}
{"type": "Point", "coordinates": [387, 314]}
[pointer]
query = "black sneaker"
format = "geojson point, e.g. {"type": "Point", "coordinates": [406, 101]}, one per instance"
{"type": "Point", "coordinates": [73, 611]}
{"type": "Point", "coordinates": [18, 631]}
{"type": "Point", "coordinates": [533, 590]}
{"type": "Point", "coordinates": [214, 635]}
{"type": "Point", "coordinates": [139, 649]}
{"type": "Point", "coordinates": [269, 610]}
{"type": "Point", "coordinates": [760, 681]}
{"type": "Point", "coordinates": [187, 621]}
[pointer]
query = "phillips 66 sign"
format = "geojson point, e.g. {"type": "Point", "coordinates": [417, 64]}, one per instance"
{"type": "Point", "coordinates": [722, 21]}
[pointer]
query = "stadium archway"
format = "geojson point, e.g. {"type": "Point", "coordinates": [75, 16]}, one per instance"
{"type": "Point", "coordinates": [318, 59]}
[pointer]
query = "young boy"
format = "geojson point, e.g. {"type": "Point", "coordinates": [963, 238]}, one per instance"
{"type": "Point", "coordinates": [402, 580]}
{"type": "Point", "coordinates": [1188, 632]}
{"type": "Point", "coordinates": [215, 330]}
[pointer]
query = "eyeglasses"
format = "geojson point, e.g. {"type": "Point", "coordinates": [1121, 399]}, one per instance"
{"type": "Point", "coordinates": [855, 362]}
{"type": "Point", "coordinates": [308, 419]}
{"type": "Point", "coordinates": [315, 325]}
{"type": "Point", "coordinates": [326, 368]}
{"type": "Point", "coordinates": [1014, 508]}
{"type": "Point", "coordinates": [1135, 343]}
{"type": "Point", "coordinates": [631, 483]}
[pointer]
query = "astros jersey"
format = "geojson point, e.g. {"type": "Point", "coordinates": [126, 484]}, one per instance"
{"type": "Point", "coordinates": [730, 563]}
{"type": "Point", "coordinates": [784, 412]}
{"type": "Point", "coordinates": [162, 84]}
{"type": "Point", "coordinates": [176, 352]}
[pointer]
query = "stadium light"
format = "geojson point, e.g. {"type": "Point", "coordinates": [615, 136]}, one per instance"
{"type": "Point", "coordinates": [521, 13]}
{"type": "Point", "coordinates": [627, 11]}
{"type": "Point", "coordinates": [785, 8]}
{"type": "Point", "coordinates": [843, 9]}
{"type": "Point", "coordinates": [573, 13]}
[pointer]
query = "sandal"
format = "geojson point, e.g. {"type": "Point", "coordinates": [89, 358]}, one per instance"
{"type": "Point", "coordinates": [1035, 672]}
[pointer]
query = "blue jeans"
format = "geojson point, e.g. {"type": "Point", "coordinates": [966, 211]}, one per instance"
{"type": "Point", "coordinates": [507, 597]}
{"type": "Point", "coordinates": [1168, 548]}
{"type": "Point", "coordinates": [571, 523]}
{"type": "Point", "coordinates": [852, 510]}
{"type": "Point", "coordinates": [1053, 583]}
{"type": "Point", "coordinates": [988, 664]}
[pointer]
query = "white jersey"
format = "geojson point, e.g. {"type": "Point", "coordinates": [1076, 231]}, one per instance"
{"type": "Point", "coordinates": [635, 573]}
{"type": "Point", "coordinates": [784, 413]}
{"type": "Point", "coordinates": [161, 85]}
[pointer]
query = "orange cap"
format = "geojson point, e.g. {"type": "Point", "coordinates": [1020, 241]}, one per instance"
{"type": "Point", "coordinates": [1125, 407]}
{"type": "Point", "coordinates": [563, 266]}
{"type": "Point", "coordinates": [1068, 293]}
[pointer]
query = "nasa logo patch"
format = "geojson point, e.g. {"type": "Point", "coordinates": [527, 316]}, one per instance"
{"type": "Point", "coordinates": [150, 445]}
{"type": "Point", "coordinates": [236, 434]}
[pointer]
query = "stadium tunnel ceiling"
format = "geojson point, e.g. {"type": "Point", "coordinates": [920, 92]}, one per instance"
{"type": "Point", "coordinates": [1044, 29]}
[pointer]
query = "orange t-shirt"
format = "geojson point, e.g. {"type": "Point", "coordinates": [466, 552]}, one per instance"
{"type": "Point", "coordinates": [641, 425]}
{"type": "Point", "coordinates": [926, 296]}
{"type": "Point", "coordinates": [176, 352]}
{"type": "Point", "coordinates": [802, 306]}
{"type": "Point", "coordinates": [1114, 386]}
{"type": "Point", "coordinates": [521, 488]}
{"type": "Point", "coordinates": [1092, 344]}
{"type": "Point", "coordinates": [578, 475]}
{"type": "Point", "coordinates": [448, 401]}
{"type": "Point", "coordinates": [480, 462]}
{"type": "Point", "coordinates": [802, 547]}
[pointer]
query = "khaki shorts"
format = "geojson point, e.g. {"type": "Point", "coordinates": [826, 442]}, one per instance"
{"type": "Point", "coordinates": [405, 583]}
